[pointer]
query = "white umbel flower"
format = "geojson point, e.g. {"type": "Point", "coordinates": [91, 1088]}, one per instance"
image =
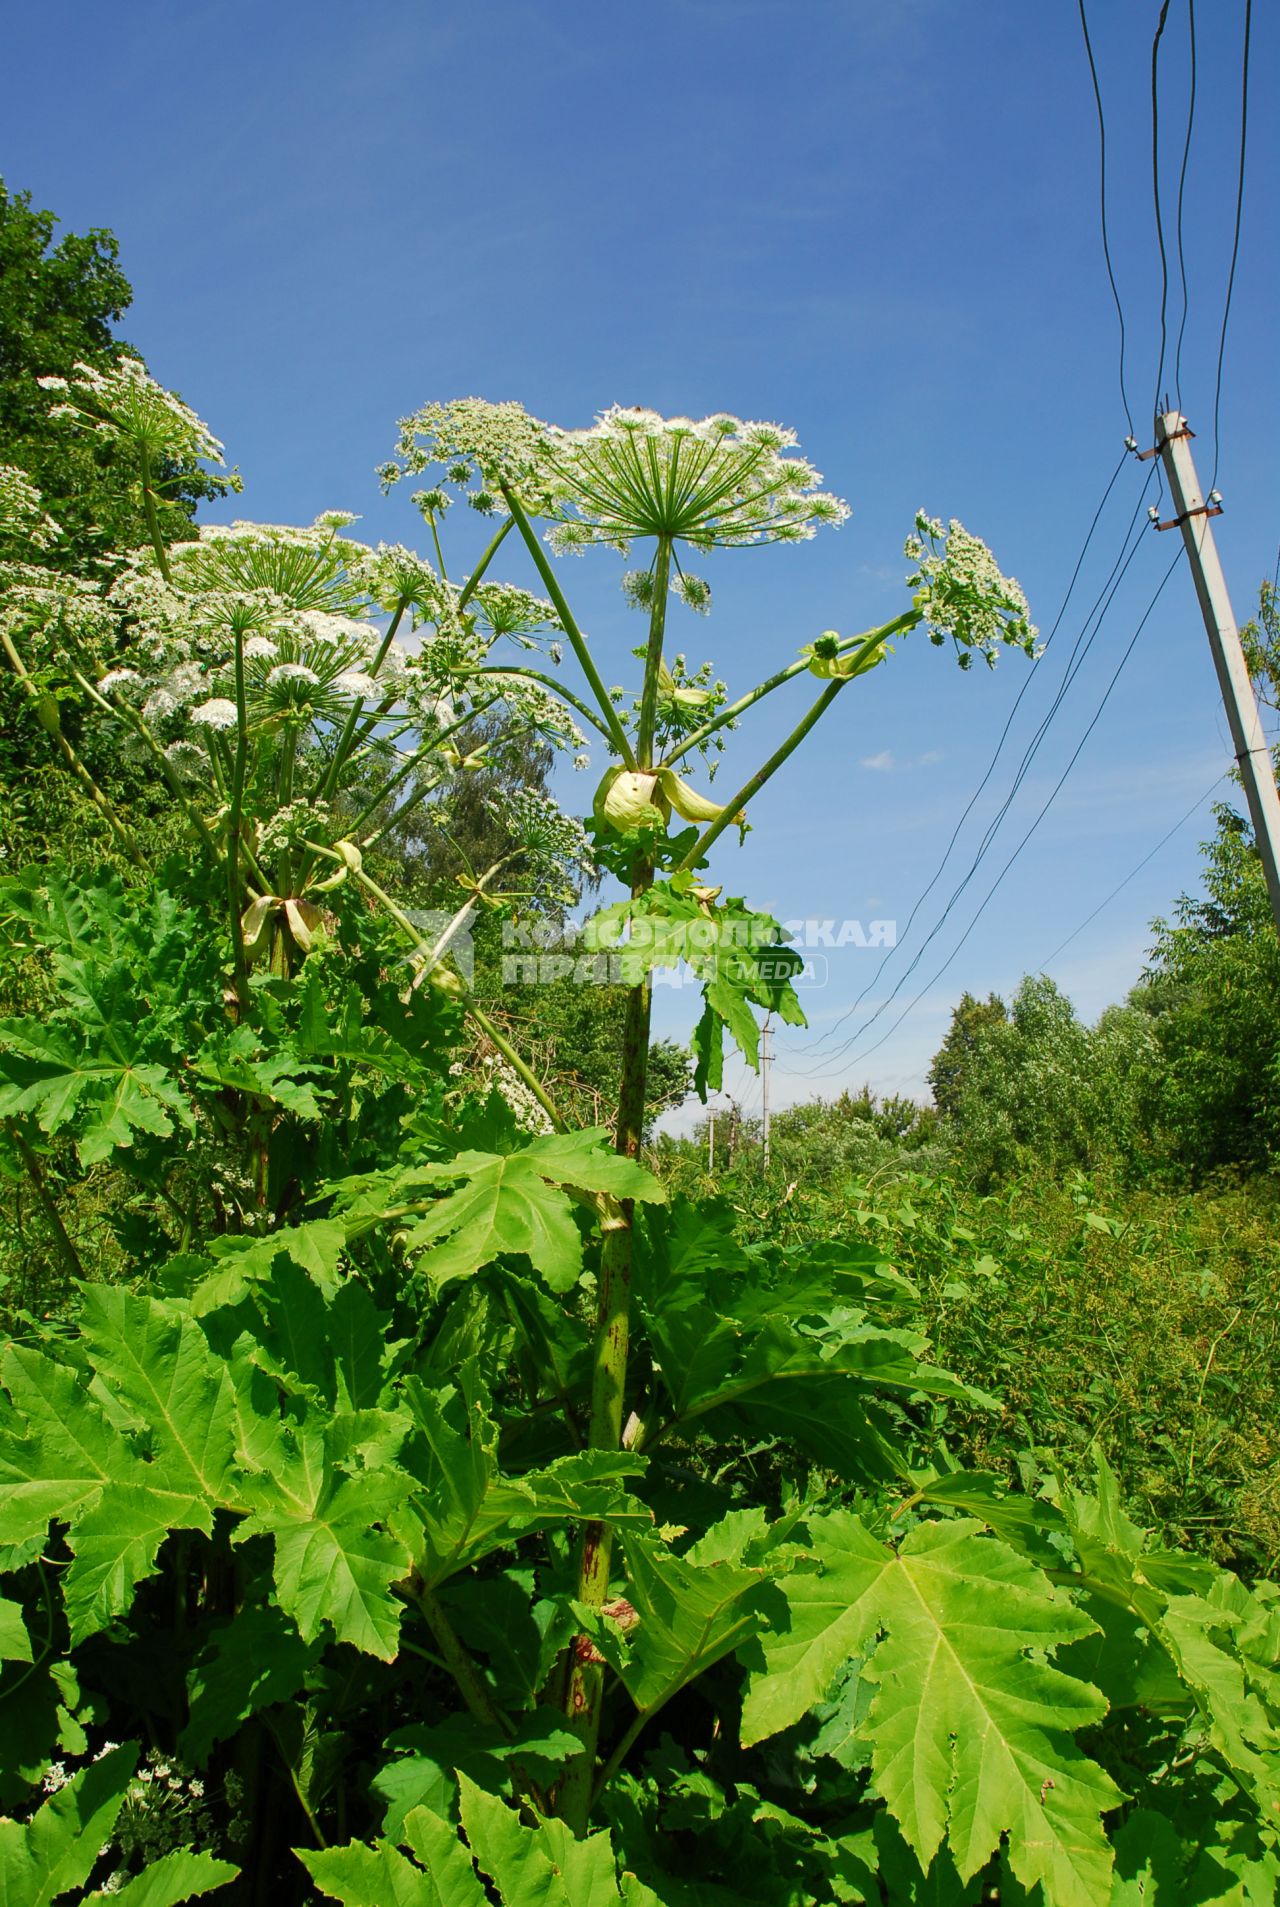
{"type": "Point", "coordinates": [217, 712]}
{"type": "Point", "coordinates": [286, 672]}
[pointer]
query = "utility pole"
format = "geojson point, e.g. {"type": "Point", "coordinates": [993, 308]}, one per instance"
{"type": "Point", "coordinates": [711, 1142]}
{"type": "Point", "coordinates": [1192, 514]}
{"type": "Point", "coordinates": [765, 1059]}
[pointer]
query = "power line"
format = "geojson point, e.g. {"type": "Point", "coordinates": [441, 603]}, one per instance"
{"type": "Point", "coordinates": [1102, 187]}
{"type": "Point", "coordinates": [1134, 871]}
{"type": "Point", "coordinates": [991, 765]}
{"type": "Point", "coordinates": [1155, 184]}
{"type": "Point", "coordinates": [1182, 186]}
{"type": "Point", "coordinates": [1075, 662]}
{"type": "Point", "coordinates": [1235, 242]}
{"type": "Point", "coordinates": [937, 975]}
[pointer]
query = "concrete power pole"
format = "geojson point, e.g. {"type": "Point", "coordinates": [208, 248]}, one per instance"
{"type": "Point", "coordinates": [711, 1143]}
{"type": "Point", "coordinates": [766, 1058]}
{"type": "Point", "coordinates": [1192, 514]}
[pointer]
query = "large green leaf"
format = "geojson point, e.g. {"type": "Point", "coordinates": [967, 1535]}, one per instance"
{"type": "Point", "coordinates": [254, 1660]}
{"type": "Point", "coordinates": [116, 1544]}
{"type": "Point", "coordinates": [469, 1508]}
{"type": "Point", "coordinates": [768, 1346]}
{"type": "Point", "coordinates": [107, 1094]}
{"type": "Point", "coordinates": [735, 952]}
{"type": "Point", "coordinates": [383, 1877]}
{"type": "Point", "coordinates": [426, 1776]}
{"type": "Point", "coordinates": [182, 1875]}
{"type": "Point", "coordinates": [538, 1866]}
{"type": "Point", "coordinates": [62, 1459]}
{"type": "Point", "coordinates": [159, 1364]}
{"type": "Point", "coordinates": [1221, 1640]}
{"type": "Point", "coordinates": [237, 1061]}
{"type": "Point", "coordinates": [508, 1203]}
{"type": "Point", "coordinates": [688, 1614]}
{"type": "Point", "coordinates": [970, 1729]}
{"type": "Point", "coordinates": [58, 1848]}
{"type": "Point", "coordinates": [15, 1643]}
{"type": "Point", "coordinates": [335, 1557]}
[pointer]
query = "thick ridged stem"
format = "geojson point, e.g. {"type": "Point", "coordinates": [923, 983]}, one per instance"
{"type": "Point", "coordinates": [585, 1687]}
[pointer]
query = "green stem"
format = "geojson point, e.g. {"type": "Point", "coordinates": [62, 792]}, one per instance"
{"type": "Point", "coordinates": [619, 1754]}
{"type": "Point", "coordinates": [133, 720]}
{"type": "Point", "coordinates": [517, 1065]}
{"type": "Point", "coordinates": [470, 1683]}
{"type": "Point", "coordinates": [70, 757]}
{"type": "Point", "coordinates": [486, 557]}
{"type": "Point", "coordinates": [864, 644]}
{"type": "Point", "coordinates": [68, 1252]}
{"type": "Point", "coordinates": [584, 1695]}
{"type": "Point", "coordinates": [458, 922]}
{"type": "Point", "coordinates": [618, 734]}
{"type": "Point", "coordinates": [330, 778]}
{"type": "Point", "coordinates": [240, 962]}
{"type": "Point", "coordinates": [653, 653]}
{"type": "Point", "coordinates": [402, 774]}
{"type": "Point", "coordinates": [751, 788]}
{"type": "Point", "coordinates": [153, 520]}
{"type": "Point", "coordinates": [473, 1012]}
{"type": "Point", "coordinates": [435, 538]}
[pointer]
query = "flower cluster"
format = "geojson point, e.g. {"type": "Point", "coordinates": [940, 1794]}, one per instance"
{"type": "Point", "coordinates": [478, 446]}
{"type": "Point", "coordinates": [506, 610]}
{"type": "Point", "coordinates": [555, 850]}
{"type": "Point", "coordinates": [694, 592]}
{"type": "Point", "coordinates": [720, 482]}
{"type": "Point", "coordinates": [960, 592]}
{"type": "Point", "coordinates": [531, 709]}
{"type": "Point", "coordinates": [394, 576]}
{"type": "Point", "coordinates": [125, 402]}
{"type": "Point", "coordinates": [22, 516]}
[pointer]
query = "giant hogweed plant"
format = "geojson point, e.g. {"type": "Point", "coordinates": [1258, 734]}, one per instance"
{"type": "Point", "coordinates": [452, 1516]}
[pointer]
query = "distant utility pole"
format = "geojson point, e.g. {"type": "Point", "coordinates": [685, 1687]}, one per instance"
{"type": "Point", "coordinates": [766, 1058]}
{"type": "Point", "coordinates": [711, 1142]}
{"type": "Point", "coordinates": [1191, 515]}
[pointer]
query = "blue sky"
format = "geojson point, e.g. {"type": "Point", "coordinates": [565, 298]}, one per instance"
{"type": "Point", "coordinates": [876, 223]}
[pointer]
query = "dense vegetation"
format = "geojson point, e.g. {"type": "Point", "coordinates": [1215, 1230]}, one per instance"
{"type": "Point", "coordinates": [415, 1489]}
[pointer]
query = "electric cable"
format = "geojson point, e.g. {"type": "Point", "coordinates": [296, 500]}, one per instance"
{"type": "Point", "coordinates": [1075, 661]}
{"type": "Point", "coordinates": [1133, 872]}
{"type": "Point", "coordinates": [937, 975]}
{"type": "Point", "coordinates": [1155, 186]}
{"type": "Point", "coordinates": [1182, 186]}
{"type": "Point", "coordinates": [991, 765]}
{"type": "Point", "coordinates": [1235, 242]}
{"type": "Point", "coordinates": [1102, 176]}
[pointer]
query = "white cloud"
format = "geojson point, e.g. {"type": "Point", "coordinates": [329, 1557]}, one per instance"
{"type": "Point", "coordinates": [882, 762]}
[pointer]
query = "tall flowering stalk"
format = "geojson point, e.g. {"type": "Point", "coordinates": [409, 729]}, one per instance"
{"type": "Point", "coordinates": [677, 486]}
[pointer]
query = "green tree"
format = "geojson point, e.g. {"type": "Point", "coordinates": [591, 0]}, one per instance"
{"type": "Point", "coordinates": [953, 1058]}
{"type": "Point", "coordinates": [1213, 994]}
{"type": "Point", "coordinates": [58, 306]}
{"type": "Point", "coordinates": [1039, 1088]}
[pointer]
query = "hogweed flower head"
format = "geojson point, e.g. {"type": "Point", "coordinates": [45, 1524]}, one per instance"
{"type": "Point", "coordinates": [504, 609]}
{"type": "Point", "coordinates": [960, 591]}
{"type": "Point", "coordinates": [717, 483]}
{"type": "Point", "coordinates": [478, 446]}
{"type": "Point", "coordinates": [217, 712]}
{"type": "Point", "coordinates": [125, 402]}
